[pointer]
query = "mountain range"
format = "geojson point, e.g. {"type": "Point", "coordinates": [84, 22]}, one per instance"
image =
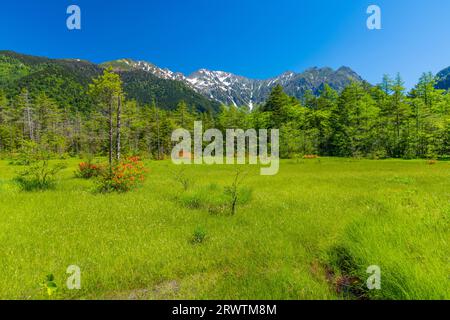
{"type": "Point", "coordinates": [230, 89]}
{"type": "Point", "coordinates": [66, 80]}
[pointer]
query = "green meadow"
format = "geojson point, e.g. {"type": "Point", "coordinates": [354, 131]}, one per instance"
{"type": "Point", "coordinates": [309, 232]}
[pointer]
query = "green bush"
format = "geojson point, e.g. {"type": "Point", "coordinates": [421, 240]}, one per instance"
{"type": "Point", "coordinates": [39, 176]}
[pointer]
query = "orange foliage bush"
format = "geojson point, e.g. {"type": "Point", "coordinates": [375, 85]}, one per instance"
{"type": "Point", "coordinates": [310, 156]}
{"type": "Point", "coordinates": [87, 170]}
{"type": "Point", "coordinates": [125, 176]}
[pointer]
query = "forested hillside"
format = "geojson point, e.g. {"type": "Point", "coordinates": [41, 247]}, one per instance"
{"type": "Point", "coordinates": [66, 81]}
{"type": "Point", "coordinates": [49, 104]}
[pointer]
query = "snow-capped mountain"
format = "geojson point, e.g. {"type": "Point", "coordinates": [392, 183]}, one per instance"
{"type": "Point", "coordinates": [224, 87]}
{"type": "Point", "coordinates": [231, 89]}
{"type": "Point", "coordinates": [129, 64]}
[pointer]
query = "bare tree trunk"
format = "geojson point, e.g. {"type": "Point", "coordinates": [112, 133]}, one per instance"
{"type": "Point", "coordinates": [149, 139]}
{"type": "Point", "coordinates": [158, 134]}
{"type": "Point", "coordinates": [110, 159]}
{"type": "Point", "coordinates": [28, 116]}
{"type": "Point", "coordinates": [119, 115]}
{"type": "Point", "coordinates": [1, 122]}
{"type": "Point", "coordinates": [29, 122]}
{"type": "Point", "coordinates": [78, 134]}
{"type": "Point", "coordinates": [12, 145]}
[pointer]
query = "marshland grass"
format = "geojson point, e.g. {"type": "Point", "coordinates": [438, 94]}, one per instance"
{"type": "Point", "coordinates": [309, 232]}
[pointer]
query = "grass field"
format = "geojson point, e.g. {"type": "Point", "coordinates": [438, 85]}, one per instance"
{"type": "Point", "coordinates": [309, 232]}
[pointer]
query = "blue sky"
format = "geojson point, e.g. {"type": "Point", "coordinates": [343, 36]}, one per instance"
{"type": "Point", "coordinates": [254, 38]}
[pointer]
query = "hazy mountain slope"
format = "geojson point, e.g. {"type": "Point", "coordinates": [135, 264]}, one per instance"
{"type": "Point", "coordinates": [443, 79]}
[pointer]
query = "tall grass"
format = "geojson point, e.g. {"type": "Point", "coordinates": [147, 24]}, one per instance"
{"type": "Point", "coordinates": [296, 237]}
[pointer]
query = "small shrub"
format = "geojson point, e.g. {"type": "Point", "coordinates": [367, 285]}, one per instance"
{"type": "Point", "coordinates": [238, 196]}
{"type": "Point", "coordinates": [39, 176]}
{"type": "Point", "coordinates": [234, 192]}
{"type": "Point", "coordinates": [199, 236]}
{"type": "Point", "coordinates": [88, 170]}
{"type": "Point", "coordinates": [124, 176]}
{"type": "Point", "coordinates": [182, 178]}
{"type": "Point", "coordinates": [49, 285]}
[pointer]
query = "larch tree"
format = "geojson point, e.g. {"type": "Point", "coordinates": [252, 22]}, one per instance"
{"type": "Point", "coordinates": [106, 90]}
{"type": "Point", "coordinates": [3, 107]}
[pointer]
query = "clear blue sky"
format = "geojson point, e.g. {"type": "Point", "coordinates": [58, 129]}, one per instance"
{"type": "Point", "coordinates": [254, 38]}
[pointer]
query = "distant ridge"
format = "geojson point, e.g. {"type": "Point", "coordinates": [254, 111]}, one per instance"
{"type": "Point", "coordinates": [145, 82]}
{"type": "Point", "coordinates": [230, 89]}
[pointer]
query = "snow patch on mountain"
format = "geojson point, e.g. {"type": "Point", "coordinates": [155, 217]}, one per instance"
{"type": "Point", "coordinates": [231, 89]}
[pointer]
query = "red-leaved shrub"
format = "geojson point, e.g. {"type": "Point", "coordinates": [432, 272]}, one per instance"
{"type": "Point", "coordinates": [124, 176]}
{"type": "Point", "coordinates": [87, 170]}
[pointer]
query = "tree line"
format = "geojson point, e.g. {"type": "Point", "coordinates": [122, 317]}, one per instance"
{"type": "Point", "coordinates": [382, 121]}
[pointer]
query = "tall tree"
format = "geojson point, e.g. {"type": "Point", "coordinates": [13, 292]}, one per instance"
{"type": "Point", "coordinates": [24, 104]}
{"type": "Point", "coordinates": [106, 89]}
{"type": "Point", "coordinates": [119, 126]}
{"type": "Point", "coordinates": [277, 102]}
{"type": "Point", "coordinates": [3, 107]}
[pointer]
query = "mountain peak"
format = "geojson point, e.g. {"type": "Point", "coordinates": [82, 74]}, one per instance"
{"type": "Point", "coordinates": [345, 69]}
{"type": "Point", "coordinates": [228, 88]}
{"type": "Point", "coordinates": [350, 73]}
